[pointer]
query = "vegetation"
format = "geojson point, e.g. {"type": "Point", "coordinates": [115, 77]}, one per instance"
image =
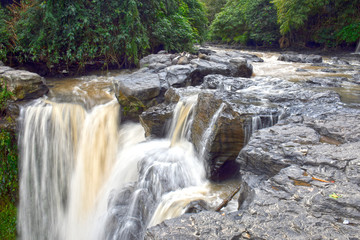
{"type": "Point", "coordinates": [8, 172]}
{"type": "Point", "coordinates": [246, 22]}
{"type": "Point", "coordinates": [320, 23]}
{"type": "Point", "coordinates": [213, 7]}
{"type": "Point", "coordinates": [114, 32]}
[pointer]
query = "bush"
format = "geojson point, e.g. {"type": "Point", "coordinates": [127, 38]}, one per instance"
{"type": "Point", "coordinates": [7, 221]}
{"type": "Point", "coordinates": [114, 32]}
{"type": "Point", "coordinates": [4, 35]}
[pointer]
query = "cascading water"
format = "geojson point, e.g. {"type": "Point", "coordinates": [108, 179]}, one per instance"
{"type": "Point", "coordinates": [357, 51]}
{"type": "Point", "coordinates": [85, 176]}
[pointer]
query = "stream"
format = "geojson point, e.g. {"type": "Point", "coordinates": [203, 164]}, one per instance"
{"type": "Point", "coordinates": [86, 174]}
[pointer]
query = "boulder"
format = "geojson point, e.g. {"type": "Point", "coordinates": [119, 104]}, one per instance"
{"type": "Point", "coordinates": [25, 85]}
{"type": "Point", "coordinates": [156, 120]}
{"type": "Point", "coordinates": [161, 59]}
{"type": "Point", "coordinates": [294, 57]}
{"type": "Point", "coordinates": [326, 81]}
{"type": "Point", "coordinates": [178, 75]}
{"type": "Point", "coordinates": [219, 133]}
{"type": "Point", "coordinates": [144, 86]}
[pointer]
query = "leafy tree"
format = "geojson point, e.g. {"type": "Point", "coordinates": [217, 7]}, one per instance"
{"type": "Point", "coordinates": [213, 7]}
{"type": "Point", "coordinates": [4, 35]}
{"type": "Point", "coordinates": [242, 21]}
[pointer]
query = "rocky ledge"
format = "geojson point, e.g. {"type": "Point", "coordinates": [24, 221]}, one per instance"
{"type": "Point", "coordinates": [295, 147]}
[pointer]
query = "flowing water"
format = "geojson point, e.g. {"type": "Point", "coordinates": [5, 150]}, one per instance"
{"type": "Point", "coordinates": [86, 175]}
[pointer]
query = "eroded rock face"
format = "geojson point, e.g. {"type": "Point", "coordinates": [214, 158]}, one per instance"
{"type": "Point", "coordinates": [205, 225]}
{"type": "Point", "coordinates": [25, 85]}
{"type": "Point", "coordinates": [156, 120]}
{"type": "Point", "coordinates": [307, 184]}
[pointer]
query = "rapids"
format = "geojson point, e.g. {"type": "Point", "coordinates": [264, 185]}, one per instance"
{"type": "Point", "coordinates": [87, 175]}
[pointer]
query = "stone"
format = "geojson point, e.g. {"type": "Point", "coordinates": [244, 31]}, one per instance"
{"type": "Point", "coordinates": [178, 75]}
{"type": "Point", "coordinates": [1, 64]}
{"type": "Point", "coordinates": [204, 225]}
{"type": "Point", "coordinates": [152, 59]}
{"type": "Point", "coordinates": [241, 67]}
{"type": "Point", "coordinates": [156, 120]}
{"type": "Point", "coordinates": [141, 85]}
{"type": "Point", "coordinates": [327, 81]}
{"type": "Point", "coordinates": [25, 85]}
{"type": "Point", "coordinates": [293, 57]}
{"type": "Point", "coordinates": [183, 60]}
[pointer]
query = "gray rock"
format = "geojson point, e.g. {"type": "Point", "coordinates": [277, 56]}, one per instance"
{"type": "Point", "coordinates": [25, 85]}
{"type": "Point", "coordinates": [327, 81]}
{"type": "Point", "coordinates": [143, 86]}
{"type": "Point", "coordinates": [293, 57]}
{"type": "Point", "coordinates": [338, 61]}
{"type": "Point", "coordinates": [153, 59]}
{"type": "Point", "coordinates": [205, 225]}
{"type": "Point", "coordinates": [1, 64]}
{"type": "Point", "coordinates": [178, 75]}
{"type": "Point", "coordinates": [155, 120]}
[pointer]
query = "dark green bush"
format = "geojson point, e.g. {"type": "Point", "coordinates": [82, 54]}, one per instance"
{"type": "Point", "coordinates": [4, 35]}
{"type": "Point", "coordinates": [7, 221]}
{"type": "Point", "coordinates": [75, 32]}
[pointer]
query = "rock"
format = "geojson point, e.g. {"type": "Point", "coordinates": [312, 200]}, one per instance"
{"type": "Point", "coordinates": [338, 61]}
{"type": "Point", "coordinates": [156, 120]}
{"type": "Point", "coordinates": [141, 85]}
{"type": "Point", "coordinates": [202, 68]}
{"type": "Point", "coordinates": [197, 207]}
{"type": "Point", "coordinates": [229, 129]}
{"type": "Point", "coordinates": [205, 225]}
{"type": "Point", "coordinates": [173, 95]}
{"type": "Point", "coordinates": [183, 60]}
{"type": "Point", "coordinates": [293, 57]}
{"type": "Point", "coordinates": [1, 63]}
{"type": "Point", "coordinates": [315, 183]}
{"type": "Point", "coordinates": [225, 83]}
{"type": "Point", "coordinates": [241, 67]}
{"type": "Point", "coordinates": [178, 75]}
{"type": "Point", "coordinates": [327, 81]}
{"type": "Point", "coordinates": [162, 52]}
{"type": "Point", "coordinates": [25, 85]}
{"type": "Point", "coordinates": [206, 51]}
{"type": "Point", "coordinates": [328, 70]}
{"type": "Point", "coordinates": [153, 59]}
{"type": "Point", "coordinates": [203, 56]}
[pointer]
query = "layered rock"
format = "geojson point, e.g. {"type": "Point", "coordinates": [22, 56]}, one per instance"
{"type": "Point", "coordinates": [25, 85]}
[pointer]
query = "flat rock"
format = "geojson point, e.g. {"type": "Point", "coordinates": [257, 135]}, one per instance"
{"type": "Point", "coordinates": [293, 57]}
{"type": "Point", "coordinates": [141, 85]}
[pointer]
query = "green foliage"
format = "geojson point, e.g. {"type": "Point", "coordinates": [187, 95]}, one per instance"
{"type": "Point", "coordinates": [213, 7]}
{"type": "Point", "coordinates": [350, 33]}
{"type": "Point", "coordinates": [8, 152]}
{"type": "Point", "coordinates": [242, 21]}
{"type": "Point", "coordinates": [121, 32]}
{"type": "Point", "coordinates": [4, 35]}
{"type": "Point", "coordinates": [7, 221]}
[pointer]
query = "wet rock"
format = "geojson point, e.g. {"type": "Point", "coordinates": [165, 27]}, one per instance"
{"type": "Point", "coordinates": [173, 95]}
{"type": "Point", "coordinates": [338, 61]}
{"type": "Point", "coordinates": [206, 51]}
{"type": "Point", "coordinates": [154, 59]}
{"type": "Point", "coordinates": [205, 225]}
{"type": "Point", "coordinates": [292, 57]}
{"type": "Point", "coordinates": [143, 86]}
{"type": "Point", "coordinates": [178, 75]}
{"type": "Point", "coordinates": [342, 127]}
{"type": "Point", "coordinates": [221, 56]}
{"type": "Point", "coordinates": [314, 183]}
{"type": "Point", "coordinates": [197, 207]}
{"type": "Point", "coordinates": [264, 154]}
{"type": "Point", "coordinates": [225, 83]}
{"type": "Point", "coordinates": [25, 85]}
{"type": "Point", "coordinates": [155, 120]}
{"type": "Point", "coordinates": [327, 81]}
{"type": "Point", "coordinates": [202, 68]}
{"type": "Point", "coordinates": [1, 63]}
{"type": "Point", "coordinates": [328, 70]}
{"type": "Point", "coordinates": [229, 129]}
{"type": "Point", "coordinates": [241, 67]}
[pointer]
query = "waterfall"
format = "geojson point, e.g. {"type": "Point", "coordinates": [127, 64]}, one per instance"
{"type": "Point", "coordinates": [357, 50]}
{"type": "Point", "coordinates": [259, 122]}
{"type": "Point", "coordinates": [86, 176]}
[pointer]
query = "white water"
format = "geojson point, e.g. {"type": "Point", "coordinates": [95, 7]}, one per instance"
{"type": "Point", "coordinates": [86, 176]}
{"type": "Point", "coordinates": [357, 51]}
